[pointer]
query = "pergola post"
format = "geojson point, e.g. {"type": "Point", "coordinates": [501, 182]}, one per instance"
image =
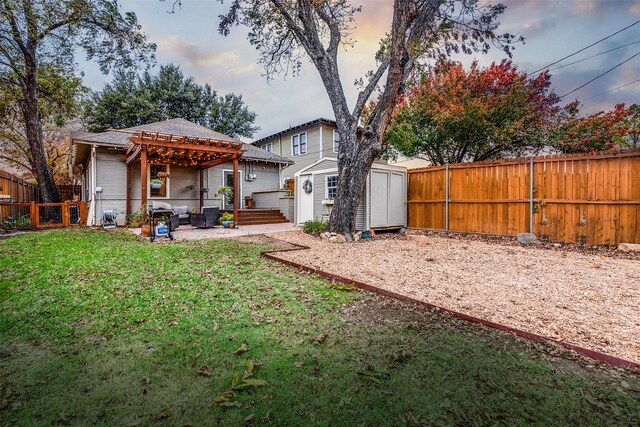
{"type": "Point", "coordinates": [201, 192]}
{"type": "Point", "coordinates": [235, 190]}
{"type": "Point", "coordinates": [128, 206]}
{"type": "Point", "coordinates": [143, 187]}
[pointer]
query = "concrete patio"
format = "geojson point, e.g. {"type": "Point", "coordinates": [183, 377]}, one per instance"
{"type": "Point", "coordinates": [186, 232]}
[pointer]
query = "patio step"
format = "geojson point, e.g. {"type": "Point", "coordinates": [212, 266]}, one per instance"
{"type": "Point", "coordinates": [259, 216]}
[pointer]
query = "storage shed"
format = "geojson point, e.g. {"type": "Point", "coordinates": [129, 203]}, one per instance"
{"type": "Point", "coordinates": [384, 204]}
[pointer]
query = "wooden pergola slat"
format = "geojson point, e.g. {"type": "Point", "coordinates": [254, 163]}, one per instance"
{"type": "Point", "coordinates": [180, 150]}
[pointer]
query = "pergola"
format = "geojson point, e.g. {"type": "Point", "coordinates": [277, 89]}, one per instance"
{"type": "Point", "coordinates": [180, 150]}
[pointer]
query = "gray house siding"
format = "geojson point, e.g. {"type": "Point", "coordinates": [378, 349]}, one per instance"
{"type": "Point", "coordinates": [111, 175]}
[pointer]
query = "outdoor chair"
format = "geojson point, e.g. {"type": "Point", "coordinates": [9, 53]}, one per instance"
{"type": "Point", "coordinates": [207, 219]}
{"type": "Point", "coordinates": [183, 214]}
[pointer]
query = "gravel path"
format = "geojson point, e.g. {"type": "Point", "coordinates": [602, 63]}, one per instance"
{"type": "Point", "coordinates": [592, 301]}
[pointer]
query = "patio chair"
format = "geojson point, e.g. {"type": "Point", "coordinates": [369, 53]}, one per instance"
{"type": "Point", "coordinates": [207, 219]}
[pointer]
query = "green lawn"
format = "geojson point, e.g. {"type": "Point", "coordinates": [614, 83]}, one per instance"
{"type": "Point", "coordinates": [103, 328]}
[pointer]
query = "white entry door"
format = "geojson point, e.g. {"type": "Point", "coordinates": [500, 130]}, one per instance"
{"type": "Point", "coordinates": [305, 200]}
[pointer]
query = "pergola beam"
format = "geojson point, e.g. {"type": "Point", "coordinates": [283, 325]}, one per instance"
{"type": "Point", "coordinates": [217, 162]}
{"type": "Point", "coordinates": [190, 147]}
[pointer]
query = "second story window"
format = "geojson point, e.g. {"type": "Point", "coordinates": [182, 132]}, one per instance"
{"type": "Point", "coordinates": [299, 144]}
{"type": "Point", "coordinates": [336, 141]}
{"type": "Point", "coordinates": [268, 147]}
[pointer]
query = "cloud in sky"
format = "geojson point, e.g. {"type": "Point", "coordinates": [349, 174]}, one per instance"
{"type": "Point", "coordinates": [552, 29]}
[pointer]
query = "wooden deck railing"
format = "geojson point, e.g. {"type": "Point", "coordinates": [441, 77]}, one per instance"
{"type": "Point", "coordinates": [42, 215]}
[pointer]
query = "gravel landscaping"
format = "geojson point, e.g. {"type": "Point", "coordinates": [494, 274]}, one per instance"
{"type": "Point", "coordinates": [585, 299]}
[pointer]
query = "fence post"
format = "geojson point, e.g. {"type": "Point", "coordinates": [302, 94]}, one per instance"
{"type": "Point", "coordinates": [446, 197]}
{"type": "Point", "coordinates": [66, 215]}
{"type": "Point", "coordinates": [531, 195]}
{"type": "Point", "coordinates": [33, 213]}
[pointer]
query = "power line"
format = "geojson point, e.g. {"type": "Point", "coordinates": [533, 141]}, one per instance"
{"type": "Point", "coordinates": [614, 89]}
{"type": "Point", "coordinates": [600, 75]}
{"type": "Point", "coordinates": [594, 56]}
{"type": "Point", "coordinates": [584, 48]}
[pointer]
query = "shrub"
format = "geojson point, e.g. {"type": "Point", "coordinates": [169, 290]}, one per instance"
{"type": "Point", "coordinates": [315, 226]}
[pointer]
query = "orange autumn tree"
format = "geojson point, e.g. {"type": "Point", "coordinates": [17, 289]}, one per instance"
{"type": "Point", "coordinates": [457, 115]}
{"type": "Point", "coordinates": [602, 131]}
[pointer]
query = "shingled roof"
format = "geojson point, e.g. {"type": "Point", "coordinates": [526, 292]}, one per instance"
{"type": "Point", "coordinates": [176, 127]}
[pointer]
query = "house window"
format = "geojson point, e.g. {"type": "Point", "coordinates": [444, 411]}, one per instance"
{"type": "Point", "coordinates": [331, 186]}
{"type": "Point", "coordinates": [336, 141]}
{"type": "Point", "coordinates": [159, 174]}
{"type": "Point", "coordinates": [299, 144]}
{"type": "Point", "coordinates": [268, 147]}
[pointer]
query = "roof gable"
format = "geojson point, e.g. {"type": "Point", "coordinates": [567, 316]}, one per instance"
{"type": "Point", "coordinates": [178, 126]}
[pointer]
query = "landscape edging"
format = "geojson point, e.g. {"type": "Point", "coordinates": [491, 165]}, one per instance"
{"type": "Point", "coordinates": [592, 354]}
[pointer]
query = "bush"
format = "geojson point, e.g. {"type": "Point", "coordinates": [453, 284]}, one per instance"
{"type": "Point", "coordinates": [315, 226]}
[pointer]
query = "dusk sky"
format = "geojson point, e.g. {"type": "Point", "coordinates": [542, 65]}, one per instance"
{"type": "Point", "coordinates": [552, 29]}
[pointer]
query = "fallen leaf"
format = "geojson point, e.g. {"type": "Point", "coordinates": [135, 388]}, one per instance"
{"type": "Point", "coordinates": [163, 414]}
{"type": "Point", "coordinates": [205, 371]}
{"type": "Point", "coordinates": [244, 347]}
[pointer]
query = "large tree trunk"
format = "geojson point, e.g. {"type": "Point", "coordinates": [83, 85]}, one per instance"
{"type": "Point", "coordinates": [354, 163]}
{"type": "Point", "coordinates": [33, 129]}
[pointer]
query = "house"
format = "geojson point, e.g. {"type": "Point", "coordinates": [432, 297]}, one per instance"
{"type": "Point", "coordinates": [110, 169]}
{"type": "Point", "coordinates": [313, 147]}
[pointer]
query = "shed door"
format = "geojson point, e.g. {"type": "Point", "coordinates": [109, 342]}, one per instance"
{"type": "Point", "coordinates": [379, 199]}
{"type": "Point", "coordinates": [305, 200]}
{"type": "Point", "coordinates": [396, 199]}
{"type": "Point", "coordinates": [387, 199]}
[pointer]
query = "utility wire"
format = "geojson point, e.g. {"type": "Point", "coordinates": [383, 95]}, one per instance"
{"type": "Point", "coordinates": [584, 48]}
{"type": "Point", "coordinates": [614, 89]}
{"type": "Point", "coordinates": [600, 75]}
{"type": "Point", "coordinates": [593, 56]}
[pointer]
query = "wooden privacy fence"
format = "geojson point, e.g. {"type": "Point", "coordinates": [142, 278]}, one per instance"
{"type": "Point", "coordinates": [14, 189]}
{"type": "Point", "coordinates": [42, 215]}
{"type": "Point", "coordinates": [69, 192]}
{"type": "Point", "coordinates": [592, 199]}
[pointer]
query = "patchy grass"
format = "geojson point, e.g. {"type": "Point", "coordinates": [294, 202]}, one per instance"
{"type": "Point", "coordinates": [103, 328]}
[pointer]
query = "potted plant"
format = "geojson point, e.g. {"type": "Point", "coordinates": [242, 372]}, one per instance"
{"type": "Point", "coordinates": [191, 187]}
{"type": "Point", "coordinates": [226, 219]}
{"type": "Point", "coordinates": [134, 219]}
{"type": "Point", "coordinates": [156, 184]}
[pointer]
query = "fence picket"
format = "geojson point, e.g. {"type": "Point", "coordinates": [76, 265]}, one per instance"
{"type": "Point", "coordinates": [592, 199]}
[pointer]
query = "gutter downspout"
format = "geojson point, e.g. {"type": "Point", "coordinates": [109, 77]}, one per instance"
{"type": "Point", "coordinates": [91, 220]}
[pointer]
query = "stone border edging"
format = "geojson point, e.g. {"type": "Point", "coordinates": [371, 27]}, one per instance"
{"type": "Point", "coordinates": [596, 355]}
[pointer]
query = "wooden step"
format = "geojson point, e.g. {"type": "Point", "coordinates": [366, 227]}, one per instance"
{"type": "Point", "coordinates": [259, 216]}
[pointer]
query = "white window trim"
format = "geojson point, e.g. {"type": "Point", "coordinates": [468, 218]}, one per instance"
{"type": "Point", "coordinates": [326, 186]}
{"type": "Point", "coordinates": [306, 140]}
{"type": "Point", "coordinates": [270, 145]}
{"type": "Point", "coordinates": [333, 142]}
{"type": "Point", "coordinates": [168, 196]}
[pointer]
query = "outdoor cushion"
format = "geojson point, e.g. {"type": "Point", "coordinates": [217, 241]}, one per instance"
{"type": "Point", "coordinates": [161, 205]}
{"type": "Point", "coordinates": [180, 210]}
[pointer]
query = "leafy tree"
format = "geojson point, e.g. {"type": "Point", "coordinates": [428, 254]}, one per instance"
{"type": "Point", "coordinates": [37, 34]}
{"type": "Point", "coordinates": [58, 103]}
{"type": "Point", "coordinates": [284, 31]}
{"type": "Point", "coordinates": [632, 124]}
{"type": "Point", "coordinates": [602, 131]}
{"type": "Point", "coordinates": [131, 100]}
{"type": "Point", "coordinates": [455, 115]}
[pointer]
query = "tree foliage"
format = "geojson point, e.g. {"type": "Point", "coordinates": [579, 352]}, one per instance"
{"type": "Point", "coordinates": [457, 115]}
{"type": "Point", "coordinates": [602, 131]}
{"type": "Point", "coordinates": [131, 100]}
{"type": "Point", "coordinates": [39, 38]}
{"type": "Point", "coordinates": [285, 31]}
